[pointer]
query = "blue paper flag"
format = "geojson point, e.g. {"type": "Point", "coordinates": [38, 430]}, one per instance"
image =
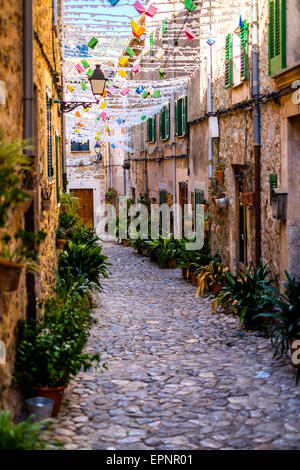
{"type": "Point", "coordinates": [140, 89]}
{"type": "Point", "coordinates": [241, 23]}
{"type": "Point", "coordinates": [119, 121]}
{"type": "Point", "coordinates": [113, 2]}
{"type": "Point", "coordinates": [113, 146]}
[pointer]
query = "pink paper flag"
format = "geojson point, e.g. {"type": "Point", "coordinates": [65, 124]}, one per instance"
{"type": "Point", "coordinates": [124, 91]}
{"type": "Point", "coordinates": [102, 115]}
{"type": "Point", "coordinates": [139, 7]}
{"type": "Point", "coordinates": [104, 118]}
{"type": "Point", "coordinates": [111, 90]}
{"type": "Point", "coordinates": [151, 10]}
{"type": "Point", "coordinates": [136, 68]}
{"type": "Point", "coordinates": [79, 68]}
{"type": "Point", "coordinates": [189, 34]}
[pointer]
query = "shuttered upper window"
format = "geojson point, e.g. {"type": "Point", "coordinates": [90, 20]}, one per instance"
{"type": "Point", "coordinates": [151, 129]}
{"type": "Point", "coordinates": [164, 122]}
{"type": "Point", "coordinates": [181, 114]}
{"type": "Point", "coordinates": [277, 38]}
{"type": "Point", "coordinates": [228, 61]}
{"type": "Point", "coordinates": [49, 136]}
{"type": "Point", "coordinates": [236, 56]}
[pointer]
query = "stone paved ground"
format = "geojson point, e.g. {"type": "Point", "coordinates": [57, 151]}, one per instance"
{"type": "Point", "coordinates": [178, 377]}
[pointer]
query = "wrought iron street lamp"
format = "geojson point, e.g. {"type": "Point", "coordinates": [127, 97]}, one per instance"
{"type": "Point", "coordinates": [98, 82]}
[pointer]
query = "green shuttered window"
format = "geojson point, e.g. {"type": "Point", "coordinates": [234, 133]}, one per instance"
{"type": "Point", "coordinates": [164, 122]}
{"type": "Point", "coordinates": [277, 36]}
{"type": "Point", "coordinates": [181, 116]}
{"type": "Point", "coordinates": [151, 129]}
{"type": "Point", "coordinates": [228, 61]}
{"type": "Point", "coordinates": [244, 50]}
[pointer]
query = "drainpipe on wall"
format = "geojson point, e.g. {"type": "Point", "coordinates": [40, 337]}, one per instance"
{"type": "Point", "coordinates": [110, 167]}
{"type": "Point", "coordinates": [209, 109]}
{"type": "Point", "coordinates": [146, 174]}
{"type": "Point", "coordinates": [28, 72]}
{"type": "Point", "coordinates": [257, 136]}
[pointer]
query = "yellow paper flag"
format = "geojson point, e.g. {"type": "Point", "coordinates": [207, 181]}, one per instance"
{"type": "Point", "coordinates": [103, 105]}
{"type": "Point", "coordinates": [123, 61]}
{"type": "Point", "coordinates": [122, 73]}
{"type": "Point", "coordinates": [70, 88]}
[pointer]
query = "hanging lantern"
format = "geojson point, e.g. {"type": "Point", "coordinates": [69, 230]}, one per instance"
{"type": "Point", "coordinates": [98, 81]}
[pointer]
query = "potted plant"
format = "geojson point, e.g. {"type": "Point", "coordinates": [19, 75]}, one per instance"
{"type": "Point", "coordinates": [111, 195]}
{"type": "Point", "coordinates": [286, 315]}
{"type": "Point", "coordinates": [217, 194]}
{"type": "Point", "coordinates": [211, 277]}
{"type": "Point", "coordinates": [16, 254]}
{"type": "Point", "coordinates": [61, 238]}
{"type": "Point", "coordinates": [46, 196]}
{"type": "Point", "coordinates": [220, 171]}
{"type": "Point", "coordinates": [13, 164]}
{"type": "Point", "coordinates": [247, 184]}
{"type": "Point", "coordinates": [206, 222]}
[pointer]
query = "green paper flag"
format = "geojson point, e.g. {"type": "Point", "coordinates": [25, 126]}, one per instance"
{"type": "Point", "coordinates": [93, 43]}
{"type": "Point", "coordinates": [98, 118]}
{"type": "Point", "coordinates": [130, 52]}
{"type": "Point", "coordinates": [156, 93]}
{"type": "Point", "coordinates": [145, 94]}
{"type": "Point", "coordinates": [90, 72]}
{"type": "Point", "coordinates": [83, 86]}
{"type": "Point", "coordinates": [143, 118]}
{"type": "Point", "coordinates": [161, 74]}
{"type": "Point", "coordinates": [189, 5]}
{"type": "Point", "coordinates": [85, 64]}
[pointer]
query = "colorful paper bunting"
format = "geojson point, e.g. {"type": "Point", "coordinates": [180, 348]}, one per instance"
{"type": "Point", "coordinates": [143, 118]}
{"type": "Point", "coordinates": [84, 86]}
{"type": "Point", "coordinates": [159, 54]}
{"type": "Point", "coordinates": [85, 64]}
{"type": "Point", "coordinates": [104, 94]}
{"type": "Point", "coordinates": [122, 73]}
{"type": "Point", "coordinates": [119, 121]}
{"type": "Point", "coordinates": [189, 5]}
{"type": "Point", "coordinates": [125, 91]}
{"type": "Point", "coordinates": [161, 74]}
{"type": "Point", "coordinates": [93, 43]}
{"type": "Point", "coordinates": [111, 90]}
{"type": "Point", "coordinates": [76, 130]}
{"type": "Point", "coordinates": [103, 105]}
{"type": "Point", "coordinates": [189, 34]}
{"type": "Point", "coordinates": [80, 124]}
{"type": "Point", "coordinates": [113, 146]}
{"type": "Point", "coordinates": [156, 93]}
{"type": "Point", "coordinates": [130, 52]}
{"type": "Point", "coordinates": [136, 68]}
{"type": "Point", "coordinates": [70, 88]}
{"type": "Point", "coordinates": [139, 7]}
{"type": "Point", "coordinates": [140, 89]}
{"type": "Point", "coordinates": [123, 61]}
{"type": "Point", "coordinates": [145, 94]}
{"type": "Point", "coordinates": [113, 2]}
{"type": "Point", "coordinates": [90, 72]}
{"type": "Point", "coordinates": [79, 68]}
{"type": "Point", "coordinates": [78, 114]}
{"type": "Point", "coordinates": [151, 10]}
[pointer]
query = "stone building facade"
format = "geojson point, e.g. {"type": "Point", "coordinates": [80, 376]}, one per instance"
{"type": "Point", "coordinates": [220, 133]}
{"type": "Point", "coordinates": [42, 32]}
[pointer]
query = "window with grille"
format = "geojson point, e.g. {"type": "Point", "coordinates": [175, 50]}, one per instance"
{"type": "Point", "coordinates": [49, 136]}
{"type": "Point", "coordinates": [151, 129]}
{"type": "Point", "coordinates": [181, 114]}
{"type": "Point", "coordinates": [80, 146]}
{"type": "Point", "coordinates": [277, 36]}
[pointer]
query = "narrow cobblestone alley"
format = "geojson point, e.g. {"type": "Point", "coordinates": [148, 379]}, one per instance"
{"type": "Point", "coordinates": [178, 377]}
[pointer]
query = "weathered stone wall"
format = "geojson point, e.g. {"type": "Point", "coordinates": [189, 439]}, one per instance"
{"type": "Point", "coordinates": [13, 306]}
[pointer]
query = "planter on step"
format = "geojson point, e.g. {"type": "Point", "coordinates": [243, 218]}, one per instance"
{"type": "Point", "coordinates": [221, 202]}
{"type": "Point", "coordinates": [10, 274]}
{"type": "Point", "coordinates": [172, 264]}
{"type": "Point", "coordinates": [194, 278]}
{"type": "Point", "coordinates": [216, 288]}
{"type": "Point", "coordinates": [56, 394]}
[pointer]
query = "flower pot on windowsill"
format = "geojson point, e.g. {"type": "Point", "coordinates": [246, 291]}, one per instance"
{"type": "Point", "coordinates": [248, 198]}
{"type": "Point", "coordinates": [46, 204]}
{"type": "Point", "coordinates": [10, 274]}
{"type": "Point", "coordinates": [54, 393]}
{"type": "Point", "coordinates": [220, 175]}
{"type": "Point", "coordinates": [60, 243]}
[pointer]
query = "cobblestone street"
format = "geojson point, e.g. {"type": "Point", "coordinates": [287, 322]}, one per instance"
{"type": "Point", "coordinates": [178, 377]}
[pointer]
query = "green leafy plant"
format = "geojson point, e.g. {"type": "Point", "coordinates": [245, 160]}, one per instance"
{"type": "Point", "coordinates": [215, 189]}
{"type": "Point", "coordinates": [21, 248]}
{"type": "Point", "coordinates": [83, 259]}
{"type": "Point", "coordinates": [24, 435]}
{"type": "Point", "coordinates": [111, 194]}
{"type": "Point", "coordinates": [67, 221]}
{"type": "Point", "coordinates": [69, 204]}
{"type": "Point", "coordinates": [248, 294]}
{"type": "Point", "coordinates": [13, 163]}
{"type": "Point", "coordinates": [61, 233]}
{"type": "Point", "coordinates": [213, 273]}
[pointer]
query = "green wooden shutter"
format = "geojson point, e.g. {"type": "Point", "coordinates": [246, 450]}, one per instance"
{"type": "Point", "coordinates": [273, 185]}
{"type": "Point", "coordinates": [244, 51]}
{"type": "Point", "coordinates": [57, 166]}
{"type": "Point", "coordinates": [162, 196]}
{"type": "Point", "coordinates": [164, 28]}
{"type": "Point", "coordinates": [168, 123]}
{"type": "Point", "coordinates": [142, 145]}
{"type": "Point", "coordinates": [228, 61]}
{"type": "Point", "coordinates": [185, 115]}
{"type": "Point", "coordinates": [154, 129]}
{"type": "Point", "coordinates": [149, 130]}
{"type": "Point", "coordinates": [199, 196]}
{"type": "Point", "coordinates": [162, 124]}
{"type": "Point", "coordinates": [179, 117]}
{"type": "Point", "coordinates": [277, 36]}
{"type": "Point", "coordinates": [176, 118]}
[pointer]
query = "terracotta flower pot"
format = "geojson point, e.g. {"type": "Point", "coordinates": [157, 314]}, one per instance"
{"type": "Point", "coordinates": [125, 242]}
{"type": "Point", "coordinates": [172, 264]}
{"type": "Point", "coordinates": [55, 393]}
{"type": "Point", "coordinates": [194, 279]}
{"type": "Point", "coordinates": [60, 243]}
{"type": "Point", "coordinates": [294, 348]}
{"type": "Point", "coordinates": [219, 175]}
{"type": "Point", "coordinates": [216, 288]}
{"type": "Point", "coordinates": [10, 274]}
{"type": "Point", "coordinates": [46, 204]}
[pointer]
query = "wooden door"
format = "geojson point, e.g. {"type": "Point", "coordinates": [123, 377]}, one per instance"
{"type": "Point", "coordinates": [86, 201]}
